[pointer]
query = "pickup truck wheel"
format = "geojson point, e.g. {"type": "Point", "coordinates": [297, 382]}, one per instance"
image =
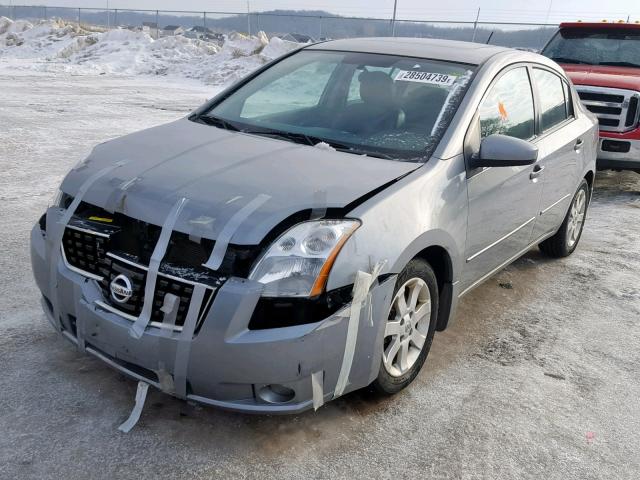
{"type": "Point", "coordinates": [409, 328]}
{"type": "Point", "coordinates": [565, 241]}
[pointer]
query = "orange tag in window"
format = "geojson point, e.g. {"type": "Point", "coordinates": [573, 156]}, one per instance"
{"type": "Point", "coordinates": [503, 111]}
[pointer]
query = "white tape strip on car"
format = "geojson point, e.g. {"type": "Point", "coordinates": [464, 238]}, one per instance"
{"type": "Point", "coordinates": [361, 288]}
{"type": "Point", "coordinates": [317, 389]}
{"type": "Point", "coordinates": [140, 325]}
{"type": "Point", "coordinates": [58, 233]}
{"type": "Point", "coordinates": [222, 242]}
{"type": "Point", "coordinates": [170, 306]}
{"type": "Point", "coordinates": [375, 273]}
{"type": "Point", "coordinates": [183, 348]}
{"type": "Point", "coordinates": [134, 416]}
{"type": "Point", "coordinates": [84, 188]}
{"type": "Point", "coordinates": [117, 197]}
{"type": "Point", "coordinates": [319, 209]}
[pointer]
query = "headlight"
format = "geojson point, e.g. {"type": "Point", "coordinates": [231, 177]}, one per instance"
{"type": "Point", "coordinates": [298, 263]}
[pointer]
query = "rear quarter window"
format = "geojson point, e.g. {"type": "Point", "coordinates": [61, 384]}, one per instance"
{"type": "Point", "coordinates": [551, 91]}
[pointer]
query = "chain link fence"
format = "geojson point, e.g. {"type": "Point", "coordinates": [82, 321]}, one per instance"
{"type": "Point", "coordinates": [298, 27]}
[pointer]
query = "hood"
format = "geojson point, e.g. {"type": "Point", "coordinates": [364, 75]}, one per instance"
{"type": "Point", "coordinates": [604, 76]}
{"type": "Point", "coordinates": [220, 172]}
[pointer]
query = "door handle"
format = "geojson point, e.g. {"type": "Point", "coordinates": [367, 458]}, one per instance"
{"type": "Point", "coordinates": [537, 171]}
{"type": "Point", "coordinates": [578, 144]}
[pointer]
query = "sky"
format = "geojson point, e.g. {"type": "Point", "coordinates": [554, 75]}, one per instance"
{"type": "Point", "coordinates": [540, 11]}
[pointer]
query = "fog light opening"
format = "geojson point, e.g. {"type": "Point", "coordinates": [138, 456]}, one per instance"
{"type": "Point", "coordinates": [275, 393]}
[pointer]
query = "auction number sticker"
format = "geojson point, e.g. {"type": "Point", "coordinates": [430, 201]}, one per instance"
{"type": "Point", "coordinates": [425, 77]}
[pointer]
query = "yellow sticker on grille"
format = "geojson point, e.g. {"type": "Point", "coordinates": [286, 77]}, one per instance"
{"type": "Point", "coordinates": [101, 219]}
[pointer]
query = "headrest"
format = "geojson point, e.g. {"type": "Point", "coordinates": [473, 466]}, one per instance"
{"type": "Point", "coordinates": [376, 87]}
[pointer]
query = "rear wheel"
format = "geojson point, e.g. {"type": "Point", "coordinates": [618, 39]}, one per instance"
{"type": "Point", "coordinates": [410, 327]}
{"type": "Point", "coordinates": [565, 241]}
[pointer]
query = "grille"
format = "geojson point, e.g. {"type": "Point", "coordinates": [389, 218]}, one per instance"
{"type": "Point", "coordinates": [87, 249]}
{"type": "Point", "coordinates": [110, 269]}
{"type": "Point", "coordinates": [114, 265]}
{"type": "Point", "coordinates": [84, 249]}
{"type": "Point", "coordinates": [617, 110]}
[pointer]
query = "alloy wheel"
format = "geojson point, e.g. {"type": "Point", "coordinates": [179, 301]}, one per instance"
{"type": "Point", "coordinates": [407, 327]}
{"type": "Point", "coordinates": [576, 218]}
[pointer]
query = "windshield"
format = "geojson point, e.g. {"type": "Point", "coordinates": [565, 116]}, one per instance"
{"type": "Point", "coordinates": [367, 104]}
{"type": "Point", "coordinates": [615, 47]}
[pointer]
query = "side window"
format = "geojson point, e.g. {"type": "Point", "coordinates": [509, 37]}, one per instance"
{"type": "Point", "coordinates": [553, 107]}
{"type": "Point", "coordinates": [508, 107]}
{"type": "Point", "coordinates": [301, 88]}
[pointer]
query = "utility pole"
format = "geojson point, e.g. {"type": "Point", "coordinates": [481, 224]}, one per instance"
{"type": "Point", "coordinates": [546, 20]}
{"type": "Point", "coordinates": [393, 21]}
{"type": "Point", "coordinates": [248, 18]}
{"type": "Point", "coordinates": [108, 19]}
{"type": "Point", "coordinates": [475, 26]}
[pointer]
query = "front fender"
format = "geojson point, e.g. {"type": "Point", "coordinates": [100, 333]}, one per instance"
{"type": "Point", "coordinates": [426, 208]}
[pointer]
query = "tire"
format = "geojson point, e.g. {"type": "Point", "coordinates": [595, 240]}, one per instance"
{"type": "Point", "coordinates": [566, 239]}
{"type": "Point", "coordinates": [395, 374]}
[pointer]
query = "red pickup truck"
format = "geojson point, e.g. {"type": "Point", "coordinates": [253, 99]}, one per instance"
{"type": "Point", "coordinates": [603, 61]}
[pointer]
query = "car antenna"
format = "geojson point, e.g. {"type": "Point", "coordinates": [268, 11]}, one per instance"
{"type": "Point", "coordinates": [490, 36]}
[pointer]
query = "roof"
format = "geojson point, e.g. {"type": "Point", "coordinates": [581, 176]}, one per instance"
{"type": "Point", "coordinates": [172, 27]}
{"type": "Point", "coordinates": [450, 50]}
{"type": "Point", "coordinates": [608, 25]}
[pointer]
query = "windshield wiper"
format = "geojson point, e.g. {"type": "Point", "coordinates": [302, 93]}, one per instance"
{"type": "Point", "coordinates": [217, 122]}
{"type": "Point", "coordinates": [313, 141]}
{"type": "Point", "coordinates": [337, 146]}
{"type": "Point", "coordinates": [360, 151]}
{"type": "Point", "coordinates": [569, 60]}
{"type": "Point", "coordinates": [620, 64]}
{"type": "Point", "coordinates": [293, 137]}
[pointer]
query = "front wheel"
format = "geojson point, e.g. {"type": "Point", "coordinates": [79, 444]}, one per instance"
{"type": "Point", "coordinates": [565, 241]}
{"type": "Point", "coordinates": [409, 328]}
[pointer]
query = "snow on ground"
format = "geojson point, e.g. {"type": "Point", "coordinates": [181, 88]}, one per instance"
{"type": "Point", "coordinates": [55, 46]}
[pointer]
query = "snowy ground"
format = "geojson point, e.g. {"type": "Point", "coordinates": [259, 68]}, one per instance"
{"type": "Point", "coordinates": [537, 379]}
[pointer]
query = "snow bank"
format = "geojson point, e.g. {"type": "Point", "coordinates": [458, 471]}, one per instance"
{"type": "Point", "coordinates": [57, 45]}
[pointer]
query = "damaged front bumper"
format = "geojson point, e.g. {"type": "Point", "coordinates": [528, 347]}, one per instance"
{"type": "Point", "coordinates": [224, 364]}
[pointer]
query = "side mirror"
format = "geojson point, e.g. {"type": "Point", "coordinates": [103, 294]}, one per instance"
{"type": "Point", "coordinates": [504, 151]}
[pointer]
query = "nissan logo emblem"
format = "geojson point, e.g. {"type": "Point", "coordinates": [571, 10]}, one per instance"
{"type": "Point", "coordinates": [121, 289]}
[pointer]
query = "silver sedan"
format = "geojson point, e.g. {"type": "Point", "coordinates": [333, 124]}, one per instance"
{"type": "Point", "coordinates": [306, 232]}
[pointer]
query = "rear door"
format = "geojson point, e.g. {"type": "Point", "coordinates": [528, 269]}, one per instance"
{"type": "Point", "coordinates": [503, 201]}
{"type": "Point", "coordinates": [560, 144]}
